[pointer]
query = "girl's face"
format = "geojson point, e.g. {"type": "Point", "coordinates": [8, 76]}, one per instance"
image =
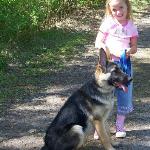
{"type": "Point", "coordinates": [118, 10]}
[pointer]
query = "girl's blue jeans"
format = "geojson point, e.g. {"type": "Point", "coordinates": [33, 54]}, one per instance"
{"type": "Point", "coordinates": [124, 99]}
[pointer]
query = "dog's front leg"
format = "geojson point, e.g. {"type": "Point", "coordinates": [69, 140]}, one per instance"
{"type": "Point", "coordinates": [103, 134]}
{"type": "Point", "coordinates": [114, 143]}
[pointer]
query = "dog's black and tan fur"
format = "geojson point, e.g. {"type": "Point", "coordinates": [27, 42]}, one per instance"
{"type": "Point", "coordinates": [91, 103]}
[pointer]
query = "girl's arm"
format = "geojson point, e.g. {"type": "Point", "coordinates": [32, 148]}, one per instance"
{"type": "Point", "coordinates": [99, 43]}
{"type": "Point", "coordinates": [133, 47]}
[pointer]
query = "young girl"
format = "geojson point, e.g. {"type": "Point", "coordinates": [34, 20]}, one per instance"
{"type": "Point", "coordinates": [118, 33]}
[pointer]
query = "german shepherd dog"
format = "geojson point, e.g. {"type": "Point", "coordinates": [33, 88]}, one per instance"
{"type": "Point", "coordinates": [93, 103]}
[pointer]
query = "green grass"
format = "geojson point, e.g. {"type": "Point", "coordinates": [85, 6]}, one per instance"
{"type": "Point", "coordinates": [33, 58]}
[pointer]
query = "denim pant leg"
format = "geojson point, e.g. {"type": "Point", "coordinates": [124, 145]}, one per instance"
{"type": "Point", "coordinates": [124, 99]}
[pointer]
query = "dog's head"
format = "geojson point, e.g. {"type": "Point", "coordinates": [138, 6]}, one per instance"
{"type": "Point", "coordinates": [109, 73]}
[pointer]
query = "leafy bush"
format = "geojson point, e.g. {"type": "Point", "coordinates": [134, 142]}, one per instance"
{"type": "Point", "coordinates": [93, 3]}
{"type": "Point", "coordinates": [20, 16]}
{"type": "Point", "coordinates": [3, 63]}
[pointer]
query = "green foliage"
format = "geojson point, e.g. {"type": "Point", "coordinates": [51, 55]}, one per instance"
{"type": "Point", "coordinates": [89, 3]}
{"type": "Point", "coordinates": [23, 16]}
{"type": "Point", "coordinates": [17, 19]}
{"type": "Point", "coordinates": [3, 62]}
{"type": "Point", "coordinates": [20, 16]}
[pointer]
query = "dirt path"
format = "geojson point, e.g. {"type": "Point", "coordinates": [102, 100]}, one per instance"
{"type": "Point", "coordinates": [24, 124]}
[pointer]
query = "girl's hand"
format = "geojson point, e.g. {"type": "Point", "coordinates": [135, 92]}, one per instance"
{"type": "Point", "coordinates": [128, 52]}
{"type": "Point", "coordinates": [133, 49]}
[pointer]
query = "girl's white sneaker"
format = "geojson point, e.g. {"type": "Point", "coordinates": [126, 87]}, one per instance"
{"type": "Point", "coordinates": [121, 134]}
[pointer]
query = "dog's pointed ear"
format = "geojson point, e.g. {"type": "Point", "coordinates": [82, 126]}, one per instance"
{"type": "Point", "coordinates": [102, 58]}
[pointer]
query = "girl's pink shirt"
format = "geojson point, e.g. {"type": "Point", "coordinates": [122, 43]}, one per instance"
{"type": "Point", "coordinates": [116, 36]}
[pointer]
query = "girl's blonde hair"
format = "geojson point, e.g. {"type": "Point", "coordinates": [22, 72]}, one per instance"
{"type": "Point", "coordinates": [129, 13]}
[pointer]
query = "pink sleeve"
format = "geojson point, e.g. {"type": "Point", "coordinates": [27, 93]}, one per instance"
{"type": "Point", "coordinates": [105, 26]}
{"type": "Point", "coordinates": [133, 29]}
{"type": "Point", "coordinates": [102, 34]}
